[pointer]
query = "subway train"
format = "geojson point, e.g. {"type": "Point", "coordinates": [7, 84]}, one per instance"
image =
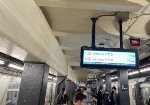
{"type": "Point", "coordinates": [142, 92]}
{"type": "Point", "coordinates": [10, 85]}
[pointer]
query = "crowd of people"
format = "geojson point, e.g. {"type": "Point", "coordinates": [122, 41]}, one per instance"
{"type": "Point", "coordinates": [88, 96]}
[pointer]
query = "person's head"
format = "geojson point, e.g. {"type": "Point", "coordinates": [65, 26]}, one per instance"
{"type": "Point", "coordinates": [114, 88]}
{"type": "Point", "coordinates": [88, 90]}
{"type": "Point", "coordinates": [101, 88]}
{"type": "Point", "coordinates": [78, 90]}
{"type": "Point", "coordinates": [79, 99]}
{"type": "Point", "coordinates": [106, 90]}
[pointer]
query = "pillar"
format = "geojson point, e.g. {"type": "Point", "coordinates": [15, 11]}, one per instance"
{"type": "Point", "coordinates": [123, 87]}
{"type": "Point", "coordinates": [108, 81]}
{"type": "Point", "coordinates": [33, 84]}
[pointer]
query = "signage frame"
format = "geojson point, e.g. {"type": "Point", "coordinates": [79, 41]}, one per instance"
{"type": "Point", "coordinates": [95, 66]}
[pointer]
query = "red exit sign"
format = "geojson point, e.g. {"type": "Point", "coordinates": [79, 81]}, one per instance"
{"type": "Point", "coordinates": [135, 41]}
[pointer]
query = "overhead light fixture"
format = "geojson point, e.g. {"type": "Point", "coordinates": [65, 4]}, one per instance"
{"type": "Point", "coordinates": [2, 62]}
{"type": "Point", "coordinates": [50, 77]}
{"type": "Point", "coordinates": [145, 69]}
{"type": "Point", "coordinates": [103, 80]}
{"type": "Point", "coordinates": [15, 66]}
{"type": "Point", "coordinates": [54, 78]}
{"type": "Point", "coordinates": [134, 72]}
{"type": "Point", "coordinates": [114, 78]}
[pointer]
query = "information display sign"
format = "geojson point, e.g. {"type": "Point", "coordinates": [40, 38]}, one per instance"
{"type": "Point", "coordinates": [110, 58]}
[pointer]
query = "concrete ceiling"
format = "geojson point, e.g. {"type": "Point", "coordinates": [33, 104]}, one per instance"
{"type": "Point", "coordinates": [9, 48]}
{"type": "Point", "coordinates": [71, 24]}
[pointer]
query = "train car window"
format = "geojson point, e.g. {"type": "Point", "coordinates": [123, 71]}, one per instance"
{"type": "Point", "coordinates": [12, 92]}
{"type": "Point", "coordinates": [145, 94]}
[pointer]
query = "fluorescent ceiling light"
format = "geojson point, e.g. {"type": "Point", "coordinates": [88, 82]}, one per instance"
{"type": "Point", "coordinates": [103, 80]}
{"type": "Point", "coordinates": [2, 62]}
{"type": "Point", "coordinates": [134, 72]}
{"type": "Point", "coordinates": [114, 78]}
{"type": "Point", "coordinates": [145, 69]}
{"type": "Point", "coordinates": [15, 67]}
{"type": "Point", "coordinates": [55, 78]}
{"type": "Point", "coordinates": [50, 77]}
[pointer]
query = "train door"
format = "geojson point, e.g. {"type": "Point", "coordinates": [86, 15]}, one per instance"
{"type": "Point", "coordinates": [9, 89]}
{"type": "Point", "coordinates": [12, 92]}
{"type": "Point", "coordinates": [4, 80]}
{"type": "Point", "coordinates": [145, 93]}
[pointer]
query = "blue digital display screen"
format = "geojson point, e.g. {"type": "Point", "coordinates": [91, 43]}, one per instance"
{"type": "Point", "coordinates": [109, 58]}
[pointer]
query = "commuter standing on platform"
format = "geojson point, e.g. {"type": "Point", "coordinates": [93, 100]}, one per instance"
{"type": "Point", "coordinates": [62, 97]}
{"type": "Point", "coordinates": [114, 96]}
{"type": "Point", "coordinates": [89, 98]}
{"type": "Point", "coordinates": [106, 98]}
{"type": "Point", "coordinates": [79, 99]}
{"type": "Point", "coordinates": [100, 96]}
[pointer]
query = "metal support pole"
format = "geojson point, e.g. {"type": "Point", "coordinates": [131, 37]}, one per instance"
{"type": "Point", "coordinates": [93, 31]}
{"type": "Point", "coordinates": [123, 85]}
{"type": "Point", "coordinates": [121, 35]}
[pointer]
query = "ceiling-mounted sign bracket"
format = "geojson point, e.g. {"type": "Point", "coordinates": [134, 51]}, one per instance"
{"type": "Point", "coordinates": [94, 19]}
{"type": "Point", "coordinates": [121, 35]}
{"type": "Point", "coordinates": [95, 57]}
{"type": "Point", "coordinates": [121, 17]}
{"type": "Point", "coordinates": [93, 31]}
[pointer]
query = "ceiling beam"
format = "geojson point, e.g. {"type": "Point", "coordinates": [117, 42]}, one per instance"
{"type": "Point", "coordinates": [59, 33]}
{"type": "Point", "coordinates": [121, 5]}
{"type": "Point", "coordinates": [22, 26]}
{"type": "Point", "coordinates": [67, 48]}
{"type": "Point", "coordinates": [75, 64]}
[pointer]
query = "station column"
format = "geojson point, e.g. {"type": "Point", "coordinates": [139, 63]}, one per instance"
{"type": "Point", "coordinates": [108, 81]}
{"type": "Point", "coordinates": [70, 87]}
{"type": "Point", "coordinates": [100, 83]}
{"type": "Point", "coordinates": [60, 83]}
{"type": "Point", "coordinates": [123, 87]}
{"type": "Point", "coordinates": [33, 84]}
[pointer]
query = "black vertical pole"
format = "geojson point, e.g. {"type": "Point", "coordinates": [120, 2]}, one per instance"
{"type": "Point", "coordinates": [93, 31]}
{"type": "Point", "coordinates": [123, 85]}
{"type": "Point", "coordinates": [121, 35]}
